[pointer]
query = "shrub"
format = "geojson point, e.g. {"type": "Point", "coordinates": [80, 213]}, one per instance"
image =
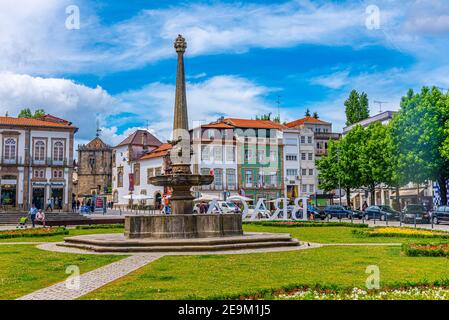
{"type": "Point", "coordinates": [30, 233]}
{"type": "Point", "coordinates": [401, 232]}
{"type": "Point", "coordinates": [283, 223]}
{"type": "Point", "coordinates": [426, 250]}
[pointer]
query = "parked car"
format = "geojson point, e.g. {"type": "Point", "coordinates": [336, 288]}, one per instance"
{"type": "Point", "coordinates": [225, 206]}
{"type": "Point", "coordinates": [382, 213]}
{"type": "Point", "coordinates": [316, 212]}
{"type": "Point", "coordinates": [337, 211]}
{"type": "Point", "coordinates": [264, 214]}
{"type": "Point", "coordinates": [356, 214]}
{"type": "Point", "coordinates": [415, 210]}
{"type": "Point", "coordinates": [440, 214]}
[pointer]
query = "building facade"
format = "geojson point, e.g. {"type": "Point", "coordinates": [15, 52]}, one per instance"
{"type": "Point", "coordinates": [299, 163]}
{"type": "Point", "coordinates": [94, 168]}
{"type": "Point", "coordinates": [134, 161]}
{"type": "Point", "coordinates": [36, 162]}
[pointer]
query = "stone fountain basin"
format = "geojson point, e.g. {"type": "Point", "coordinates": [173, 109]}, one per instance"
{"type": "Point", "coordinates": [182, 180]}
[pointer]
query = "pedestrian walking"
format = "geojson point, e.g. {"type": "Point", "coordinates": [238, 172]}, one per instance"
{"type": "Point", "coordinates": [48, 205]}
{"type": "Point", "coordinates": [32, 213]}
{"type": "Point", "coordinates": [73, 205]}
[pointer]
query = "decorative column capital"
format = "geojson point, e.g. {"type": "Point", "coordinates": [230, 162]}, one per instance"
{"type": "Point", "coordinates": [180, 44]}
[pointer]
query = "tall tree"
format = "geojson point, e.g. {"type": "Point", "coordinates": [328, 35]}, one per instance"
{"type": "Point", "coordinates": [307, 114]}
{"type": "Point", "coordinates": [341, 165]}
{"type": "Point", "coordinates": [375, 162]}
{"type": "Point", "coordinates": [266, 116]}
{"type": "Point", "coordinates": [420, 133]}
{"type": "Point", "coordinates": [315, 115]}
{"type": "Point", "coordinates": [356, 107]}
{"type": "Point", "coordinates": [27, 113]}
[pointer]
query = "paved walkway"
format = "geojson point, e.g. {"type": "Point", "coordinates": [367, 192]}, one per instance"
{"type": "Point", "coordinates": [92, 280]}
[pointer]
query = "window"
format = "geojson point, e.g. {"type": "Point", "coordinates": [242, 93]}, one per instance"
{"type": "Point", "coordinates": [120, 177]}
{"type": "Point", "coordinates": [218, 179]}
{"type": "Point", "coordinates": [114, 154]}
{"type": "Point", "coordinates": [248, 155]}
{"type": "Point", "coordinates": [292, 172]}
{"type": "Point", "coordinates": [158, 171]}
{"type": "Point", "coordinates": [137, 174]}
{"type": "Point", "coordinates": [304, 188]}
{"type": "Point", "coordinates": [150, 173]}
{"type": "Point", "coordinates": [303, 156]}
{"type": "Point", "coordinates": [291, 141]}
{"type": "Point", "coordinates": [309, 140]}
{"type": "Point", "coordinates": [304, 172]}
{"type": "Point", "coordinates": [218, 153]}
{"type": "Point", "coordinates": [291, 157]}
{"type": "Point", "coordinates": [230, 179]}
{"type": "Point", "coordinates": [261, 156]}
{"type": "Point", "coordinates": [58, 174]}
{"type": "Point", "coordinates": [230, 154]}
{"type": "Point", "coordinates": [303, 139]}
{"type": "Point", "coordinates": [273, 155]}
{"type": "Point", "coordinates": [205, 156]}
{"type": "Point", "coordinates": [58, 151]}
{"type": "Point", "coordinates": [310, 156]}
{"type": "Point", "coordinates": [39, 174]}
{"type": "Point", "coordinates": [248, 178]}
{"type": "Point", "coordinates": [39, 151]}
{"type": "Point", "coordinates": [311, 188]}
{"type": "Point", "coordinates": [10, 149]}
{"type": "Point", "coordinates": [310, 172]}
{"type": "Point", "coordinates": [271, 180]}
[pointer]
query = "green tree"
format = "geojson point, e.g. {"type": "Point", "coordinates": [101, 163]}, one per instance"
{"type": "Point", "coordinates": [307, 114]}
{"type": "Point", "coordinates": [27, 113]}
{"type": "Point", "coordinates": [420, 133]}
{"type": "Point", "coordinates": [356, 107]}
{"type": "Point", "coordinates": [266, 116]}
{"type": "Point", "coordinates": [315, 115]}
{"type": "Point", "coordinates": [375, 162]}
{"type": "Point", "coordinates": [341, 165]}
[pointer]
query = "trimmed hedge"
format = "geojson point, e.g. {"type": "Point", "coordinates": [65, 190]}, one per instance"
{"type": "Point", "coordinates": [101, 226]}
{"type": "Point", "coordinates": [372, 233]}
{"type": "Point", "coordinates": [32, 233]}
{"type": "Point", "coordinates": [426, 250]}
{"type": "Point", "coordinates": [289, 224]}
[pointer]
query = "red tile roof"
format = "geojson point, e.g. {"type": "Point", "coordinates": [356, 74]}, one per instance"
{"type": "Point", "coordinates": [303, 121]}
{"type": "Point", "coordinates": [140, 138]}
{"type": "Point", "coordinates": [257, 124]}
{"type": "Point", "coordinates": [161, 151]}
{"type": "Point", "coordinates": [35, 122]}
{"type": "Point", "coordinates": [217, 125]}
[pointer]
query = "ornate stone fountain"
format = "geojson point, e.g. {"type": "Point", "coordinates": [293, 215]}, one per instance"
{"type": "Point", "coordinates": [181, 231]}
{"type": "Point", "coordinates": [182, 223]}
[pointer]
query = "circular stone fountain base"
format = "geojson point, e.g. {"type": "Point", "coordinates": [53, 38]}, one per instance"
{"type": "Point", "coordinates": [183, 226]}
{"type": "Point", "coordinates": [117, 242]}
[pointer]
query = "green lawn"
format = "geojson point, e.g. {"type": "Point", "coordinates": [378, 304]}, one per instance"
{"type": "Point", "coordinates": [58, 238]}
{"type": "Point", "coordinates": [332, 235]}
{"type": "Point", "coordinates": [24, 268]}
{"type": "Point", "coordinates": [215, 276]}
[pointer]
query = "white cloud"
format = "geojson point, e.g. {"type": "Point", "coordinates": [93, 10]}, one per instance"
{"type": "Point", "coordinates": [61, 97]}
{"type": "Point", "coordinates": [207, 100]}
{"type": "Point", "coordinates": [334, 80]}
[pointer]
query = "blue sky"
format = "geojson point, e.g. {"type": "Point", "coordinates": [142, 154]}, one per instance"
{"type": "Point", "coordinates": [119, 66]}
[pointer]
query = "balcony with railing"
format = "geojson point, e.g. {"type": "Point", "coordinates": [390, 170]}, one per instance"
{"type": "Point", "coordinates": [11, 161]}
{"type": "Point", "coordinates": [49, 162]}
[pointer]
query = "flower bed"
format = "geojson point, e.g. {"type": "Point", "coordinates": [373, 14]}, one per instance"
{"type": "Point", "coordinates": [413, 293]}
{"type": "Point", "coordinates": [30, 233]}
{"type": "Point", "coordinates": [283, 223]}
{"type": "Point", "coordinates": [401, 232]}
{"type": "Point", "coordinates": [426, 250]}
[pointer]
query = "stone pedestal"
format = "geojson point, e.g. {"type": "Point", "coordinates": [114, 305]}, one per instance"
{"type": "Point", "coordinates": [182, 226]}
